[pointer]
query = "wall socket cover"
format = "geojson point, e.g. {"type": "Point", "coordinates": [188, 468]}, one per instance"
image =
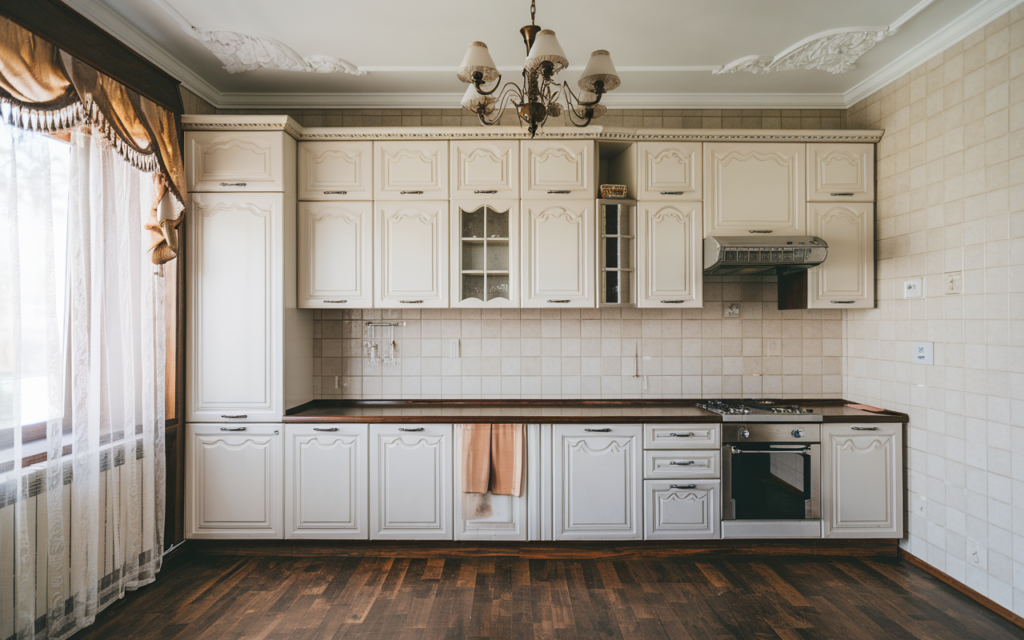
{"type": "Point", "coordinates": [923, 352]}
{"type": "Point", "coordinates": [913, 288]}
{"type": "Point", "coordinates": [731, 310]}
{"type": "Point", "coordinates": [953, 283]}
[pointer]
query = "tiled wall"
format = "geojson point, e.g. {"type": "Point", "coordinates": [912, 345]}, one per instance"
{"type": "Point", "coordinates": [951, 200]}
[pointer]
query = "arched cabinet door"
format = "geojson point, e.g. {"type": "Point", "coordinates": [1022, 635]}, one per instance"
{"type": "Point", "coordinates": [558, 169]}
{"type": "Point", "coordinates": [558, 264]}
{"type": "Point", "coordinates": [234, 161]}
{"type": "Point", "coordinates": [754, 187]}
{"type": "Point", "coordinates": [670, 171]}
{"type": "Point", "coordinates": [411, 482]}
{"type": "Point", "coordinates": [862, 480]}
{"type": "Point", "coordinates": [840, 172]}
{"type": "Point", "coordinates": [411, 255]}
{"type": "Point", "coordinates": [335, 255]}
{"type": "Point", "coordinates": [669, 255]}
{"type": "Point", "coordinates": [484, 169]}
{"type": "Point", "coordinates": [326, 481]}
{"type": "Point", "coordinates": [410, 170]}
{"type": "Point", "coordinates": [335, 170]}
{"type": "Point", "coordinates": [847, 277]}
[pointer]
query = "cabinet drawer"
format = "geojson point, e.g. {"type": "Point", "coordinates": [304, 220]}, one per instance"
{"type": "Point", "coordinates": [678, 510]}
{"type": "Point", "coordinates": [704, 463]}
{"type": "Point", "coordinates": [677, 436]}
{"type": "Point", "coordinates": [335, 170]}
{"type": "Point", "coordinates": [234, 161]}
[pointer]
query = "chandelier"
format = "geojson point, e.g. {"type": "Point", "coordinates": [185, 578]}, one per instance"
{"type": "Point", "coordinates": [537, 99]}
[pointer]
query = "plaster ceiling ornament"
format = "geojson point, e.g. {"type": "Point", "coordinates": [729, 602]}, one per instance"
{"type": "Point", "coordinates": [242, 52]}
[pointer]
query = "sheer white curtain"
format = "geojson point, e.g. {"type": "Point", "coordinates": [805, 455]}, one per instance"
{"type": "Point", "coordinates": [82, 358]}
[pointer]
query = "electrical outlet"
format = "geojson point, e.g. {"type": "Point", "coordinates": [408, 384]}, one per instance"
{"type": "Point", "coordinates": [923, 352]}
{"type": "Point", "coordinates": [953, 283]}
{"type": "Point", "coordinates": [731, 310]}
{"type": "Point", "coordinates": [913, 288]}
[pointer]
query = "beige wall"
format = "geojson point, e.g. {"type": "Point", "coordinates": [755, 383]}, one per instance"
{"type": "Point", "coordinates": [951, 200]}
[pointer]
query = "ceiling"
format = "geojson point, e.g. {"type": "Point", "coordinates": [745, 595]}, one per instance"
{"type": "Point", "coordinates": [665, 50]}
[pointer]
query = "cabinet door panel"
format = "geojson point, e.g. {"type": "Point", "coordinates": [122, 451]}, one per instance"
{"type": "Point", "coordinates": [558, 168]}
{"type": "Point", "coordinates": [335, 255]}
{"type": "Point", "coordinates": [753, 186]}
{"type": "Point", "coordinates": [669, 263]}
{"type": "Point", "coordinates": [484, 254]}
{"type": "Point", "coordinates": [411, 170]}
{"type": "Point", "coordinates": [847, 277]}
{"type": "Point", "coordinates": [234, 161]}
{"type": "Point", "coordinates": [234, 306]}
{"type": "Point", "coordinates": [670, 171]}
{"type": "Point", "coordinates": [597, 482]}
{"type": "Point", "coordinates": [335, 170]}
{"type": "Point", "coordinates": [679, 510]}
{"type": "Point", "coordinates": [412, 255]}
{"type": "Point", "coordinates": [325, 482]}
{"type": "Point", "coordinates": [840, 172]}
{"type": "Point", "coordinates": [486, 516]}
{"type": "Point", "coordinates": [558, 254]}
{"type": "Point", "coordinates": [411, 482]}
{"type": "Point", "coordinates": [233, 482]}
{"type": "Point", "coordinates": [485, 168]}
{"type": "Point", "coordinates": [862, 481]}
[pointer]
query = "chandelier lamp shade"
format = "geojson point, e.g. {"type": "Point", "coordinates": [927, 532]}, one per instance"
{"type": "Point", "coordinates": [537, 98]}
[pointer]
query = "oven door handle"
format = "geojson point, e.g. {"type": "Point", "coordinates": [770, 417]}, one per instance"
{"type": "Point", "coordinates": [800, 450]}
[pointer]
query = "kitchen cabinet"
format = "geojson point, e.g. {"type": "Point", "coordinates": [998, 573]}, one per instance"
{"type": "Point", "coordinates": [335, 255]}
{"type": "Point", "coordinates": [670, 171]}
{"type": "Point", "coordinates": [597, 482]}
{"type": "Point", "coordinates": [847, 277]}
{"type": "Point", "coordinates": [411, 239]}
{"type": "Point", "coordinates": [683, 436]}
{"type": "Point", "coordinates": [616, 248]}
{"type": "Point", "coordinates": [840, 172]}
{"type": "Point", "coordinates": [558, 263]}
{"type": "Point", "coordinates": [411, 482]}
{"type": "Point", "coordinates": [754, 187]}
{"type": "Point", "coordinates": [411, 170]}
{"type": "Point", "coordinates": [233, 481]}
{"type": "Point", "coordinates": [669, 262]}
{"type": "Point", "coordinates": [558, 169]}
{"type": "Point", "coordinates": [862, 480]}
{"type": "Point", "coordinates": [484, 169]}
{"type": "Point", "coordinates": [682, 509]}
{"type": "Point", "coordinates": [335, 170]}
{"type": "Point", "coordinates": [487, 516]}
{"type": "Point", "coordinates": [485, 254]}
{"type": "Point", "coordinates": [325, 481]}
{"type": "Point", "coordinates": [236, 161]}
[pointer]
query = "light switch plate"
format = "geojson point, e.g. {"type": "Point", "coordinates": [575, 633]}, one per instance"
{"type": "Point", "coordinates": [731, 310]}
{"type": "Point", "coordinates": [953, 283]}
{"type": "Point", "coordinates": [923, 352]}
{"type": "Point", "coordinates": [913, 288]}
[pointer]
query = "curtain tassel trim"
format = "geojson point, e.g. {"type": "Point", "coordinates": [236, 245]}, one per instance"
{"type": "Point", "coordinates": [43, 121]}
{"type": "Point", "coordinates": [145, 162]}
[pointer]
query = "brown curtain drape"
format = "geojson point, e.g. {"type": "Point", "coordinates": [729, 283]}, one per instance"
{"type": "Point", "coordinates": [44, 89]}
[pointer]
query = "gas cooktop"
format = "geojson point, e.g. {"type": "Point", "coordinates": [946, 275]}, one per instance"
{"type": "Point", "coordinates": [759, 410]}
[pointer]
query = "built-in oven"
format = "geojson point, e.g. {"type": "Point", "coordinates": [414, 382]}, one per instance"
{"type": "Point", "coordinates": [771, 471]}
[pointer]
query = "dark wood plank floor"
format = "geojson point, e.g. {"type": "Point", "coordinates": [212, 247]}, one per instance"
{"type": "Point", "coordinates": [321, 598]}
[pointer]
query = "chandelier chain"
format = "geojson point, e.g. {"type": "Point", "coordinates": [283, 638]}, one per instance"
{"type": "Point", "coordinates": [533, 11]}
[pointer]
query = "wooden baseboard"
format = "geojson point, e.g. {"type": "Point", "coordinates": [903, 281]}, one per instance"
{"type": "Point", "coordinates": [546, 550]}
{"type": "Point", "coordinates": [984, 601]}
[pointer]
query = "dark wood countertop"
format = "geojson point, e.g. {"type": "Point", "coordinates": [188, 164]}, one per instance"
{"type": "Point", "coordinates": [548, 411]}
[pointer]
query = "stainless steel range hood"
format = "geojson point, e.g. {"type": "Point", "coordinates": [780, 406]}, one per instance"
{"type": "Point", "coordinates": [742, 255]}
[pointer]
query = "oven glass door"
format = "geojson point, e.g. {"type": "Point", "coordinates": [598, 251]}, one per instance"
{"type": "Point", "coordinates": [772, 481]}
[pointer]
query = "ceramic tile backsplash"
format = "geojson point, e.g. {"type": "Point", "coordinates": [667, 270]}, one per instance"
{"type": "Point", "coordinates": [951, 201]}
{"type": "Point", "coordinates": [565, 353]}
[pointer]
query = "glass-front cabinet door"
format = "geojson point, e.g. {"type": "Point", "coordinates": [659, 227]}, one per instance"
{"type": "Point", "coordinates": [485, 246]}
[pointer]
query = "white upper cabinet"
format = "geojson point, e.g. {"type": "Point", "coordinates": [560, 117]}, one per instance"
{"type": "Point", "coordinates": [234, 161]}
{"type": "Point", "coordinates": [669, 171]}
{"type": "Point", "coordinates": [862, 480]}
{"type": "Point", "coordinates": [485, 169]}
{"type": "Point", "coordinates": [335, 170]}
{"type": "Point", "coordinates": [752, 187]}
{"type": "Point", "coordinates": [669, 257]}
{"type": "Point", "coordinates": [558, 254]}
{"type": "Point", "coordinates": [411, 240]}
{"type": "Point", "coordinates": [840, 172]}
{"type": "Point", "coordinates": [485, 254]}
{"type": "Point", "coordinates": [558, 169]}
{"type": "Point", "coordinates": [411, 170]}
{"type": "Point", "coordinates": [847, 277]}
{"type": "Point", "coordinates": [411, 482]}
{"type": "Point", "coordinates": [325, 479]}
{"type": "Point", "coordinates": [335, 255]}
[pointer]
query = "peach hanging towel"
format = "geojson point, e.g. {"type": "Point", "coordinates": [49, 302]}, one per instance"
{"type": "Point", "coordinates": [493, 458]}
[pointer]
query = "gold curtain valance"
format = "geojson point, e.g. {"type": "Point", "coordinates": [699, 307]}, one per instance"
{"type": "Point", "coordinates": [47, 90]}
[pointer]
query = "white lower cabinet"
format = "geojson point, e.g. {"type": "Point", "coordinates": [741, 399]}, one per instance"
{"type": "Point", "coordinates": [326, 481]}
{"type": "Point", "coordinates": [862, 480]}
{"type": "Point", "coordinates": [597, 482]}
{"type": "Point", "coordinates": [486, 516]}
{"type": "Point", "coordinates": [680, 509]}
{"type": "Point", "coordinates": [411, 482]}
{"type": "Point", "coordinates": [233, 481]}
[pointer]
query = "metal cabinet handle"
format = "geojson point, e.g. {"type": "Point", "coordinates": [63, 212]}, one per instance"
{"type": "Point", "coordinates": [410, 193]}
{"type": "Point", "coordinates": [843, 301]}
{"type": "Point", "coordinates": [673, 301]}
{"type": "Point", "coordinates": [241, 415]}
{"type": "Point", "coordinates": [558, 301]}
{"type": "Point", "coordinates": [486, 191]}
{"type": "Point", "coordinates": [410, 428]}
{"type": "Point", "coordinates": [325, 428]}
{"type": "Point", "coordinates": [335, 301]}
{"type": "Point", "coordinates": [606, 430]}
{"type": "Point", "coordinates": [232, 428]}
{"type": "Point", "coordinates": [683, 463]}
{"type": "Point", "coordinates": [335, 193]}
{"type": "Point", "coordinates": [410, 301]}
{"type": "Point", "coordinates": [233, 184]}
{"type": "Point", "coordinates": [760, 231]}
{"type": "Point", "coordinates": [682, 486]}
{"type": "Point", "coordinates": [838, 195]}
{"type": "Point", "coordinates": [688, 434]}
{"type": "Point", "coordinates": [672, 193]}
{"type": "Point", "coordinates": [560, 191]}
{"type": "Point", "coordinates": [864, 428]}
